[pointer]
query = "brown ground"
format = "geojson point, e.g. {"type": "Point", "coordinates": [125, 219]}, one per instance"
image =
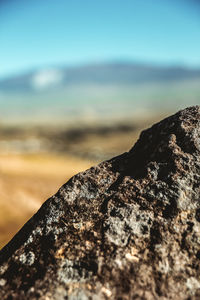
{"type": "Point", "coordinates": [28, 180]}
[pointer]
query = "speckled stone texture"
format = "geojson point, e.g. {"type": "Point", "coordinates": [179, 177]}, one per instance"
{"type": "Point", "coordinates": [128, 228]}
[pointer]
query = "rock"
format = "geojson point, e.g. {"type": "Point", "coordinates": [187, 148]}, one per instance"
{"type": "Point", "coordinates": [128, 228]}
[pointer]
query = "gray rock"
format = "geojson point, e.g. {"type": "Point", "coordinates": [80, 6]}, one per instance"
{"type": "Point", "coordinates": [128, 228]}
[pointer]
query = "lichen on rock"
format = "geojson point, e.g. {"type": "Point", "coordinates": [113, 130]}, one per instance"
{"type": "Point", "coordinates": [128, 228]}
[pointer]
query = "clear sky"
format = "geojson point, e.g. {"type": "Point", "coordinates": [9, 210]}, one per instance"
{"type": "Point", "coordinates": [36, 33]}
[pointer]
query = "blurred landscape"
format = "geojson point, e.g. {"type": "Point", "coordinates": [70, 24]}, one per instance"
{"type": "Point", "coordinates": [96, 92]}
{"type": "Point", "coordinates": [58, 121]}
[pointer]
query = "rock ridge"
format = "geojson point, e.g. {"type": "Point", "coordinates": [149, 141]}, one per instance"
{"type": "Point", "coordinates": [128, 228]}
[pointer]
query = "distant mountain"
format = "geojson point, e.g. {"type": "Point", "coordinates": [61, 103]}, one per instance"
{"type": "Point", "coordinates": [96, 74]}
{"type": "Point", "coordinates": [97, 92]}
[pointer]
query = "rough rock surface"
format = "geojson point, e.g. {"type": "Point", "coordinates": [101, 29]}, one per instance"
{"type": "Point", "coordinates": [128, 228]}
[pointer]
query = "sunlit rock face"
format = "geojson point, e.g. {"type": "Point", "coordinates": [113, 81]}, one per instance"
{"type": "Point", "coordinates": [128, 228]}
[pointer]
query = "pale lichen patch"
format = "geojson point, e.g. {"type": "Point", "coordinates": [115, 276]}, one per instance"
{"type": "Point", "coordinates": [27, 258]}
{"type": "Point", "coordinates": [2, 282]}
{"type": "Point", "coordinates": [106, 292]}
{"type": "Point", "coordinates": [193, 284]}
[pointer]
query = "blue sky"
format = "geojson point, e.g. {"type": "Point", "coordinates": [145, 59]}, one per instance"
{"type": "Point", "coordinates": [39, 33]}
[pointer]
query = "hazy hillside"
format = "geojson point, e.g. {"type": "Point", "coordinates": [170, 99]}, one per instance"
{"type": "Point", "coordinates": [97, 91]}
{"type": "Point", "coordinates": [109, 74]}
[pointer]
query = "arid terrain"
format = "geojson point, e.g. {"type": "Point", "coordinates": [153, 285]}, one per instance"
{"type": "Point", "coordinates": [26, 181]}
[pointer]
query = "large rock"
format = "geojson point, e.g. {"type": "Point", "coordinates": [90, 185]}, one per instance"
{"type": "Point", "coordinates": [128, 228]}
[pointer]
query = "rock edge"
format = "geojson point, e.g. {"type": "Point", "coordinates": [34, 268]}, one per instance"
{"type": "Point", "coordinates": [128, 228]}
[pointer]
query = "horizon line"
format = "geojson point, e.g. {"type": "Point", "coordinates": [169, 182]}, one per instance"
{"type": "Point", "coordinates": [148, 63]}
